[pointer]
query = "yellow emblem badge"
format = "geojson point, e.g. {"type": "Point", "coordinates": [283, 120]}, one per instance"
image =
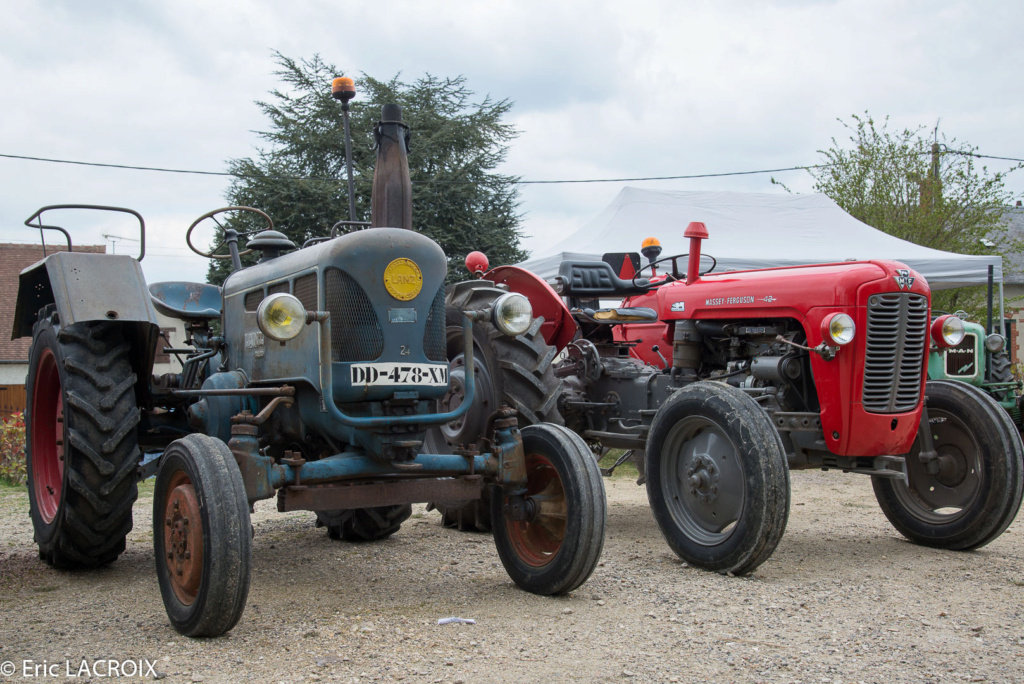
{"type": "Point", "coordinates": [403, 279]}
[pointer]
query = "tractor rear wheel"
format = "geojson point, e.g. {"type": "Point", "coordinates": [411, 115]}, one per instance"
{"type": "Point", "coordinates": [717, 478]}
{"type": "Point", "coordinates": [976, 491]}
{"type": "Point", "coordinates": [202, 536]}
{"type": "Point", "coordinates": [513, 371]}
{"type": "Point", "coordinates": [81, 441]}
{"type": "Point", "coordinates": [554, 550]}
{"type": "Point", "coordinates": [363, 524]}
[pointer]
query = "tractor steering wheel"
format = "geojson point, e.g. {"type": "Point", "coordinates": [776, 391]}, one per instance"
{"type": "Point", "coordinates": [211, 214]}
{"type": "Point", "coordinates": [675, 273]}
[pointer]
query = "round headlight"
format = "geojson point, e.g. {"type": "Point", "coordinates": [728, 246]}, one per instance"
{"type": "Point", "coordinates": [948, 331]}
{"type": "Point", "coordinates": [995, 343]}
{"type": "Point", "coordinates": [281, 316]}
{"type": "Point", "coordinates": [839, 328]}
{"type": "Point", "coordinates": [512, 314]}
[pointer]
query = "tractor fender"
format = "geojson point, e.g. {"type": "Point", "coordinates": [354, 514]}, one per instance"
{"type": "Point", "coordinates": [86, 287]}
{"type": "Point", "coordinates": [559, 326]}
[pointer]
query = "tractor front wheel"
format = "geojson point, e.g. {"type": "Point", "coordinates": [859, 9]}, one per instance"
{"type": "Point", "coordinates": [202, 537]}
{"type": "Point", "coordinates": [555, 547]}
{"type": "Point", "coordinates": [717, 478]}
{"type": "Point", "coordinates": [972, 491]}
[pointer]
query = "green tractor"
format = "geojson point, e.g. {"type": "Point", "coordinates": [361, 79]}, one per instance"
{"type": "Point", "coordinates": [982, 360]}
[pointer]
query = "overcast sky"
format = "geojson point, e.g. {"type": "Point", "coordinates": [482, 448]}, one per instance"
{"type": "Point", "coordinates": [602, 90]}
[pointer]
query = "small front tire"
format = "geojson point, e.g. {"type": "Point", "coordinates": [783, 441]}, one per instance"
{"type": "Point", "coordinates": [202, 536]}
{"type": "Point", "coordinates": [717, 478]}
{"type": "Point", "coordinates": [558, 549]}
{"type": "Point", "coordinates": [977, 490]}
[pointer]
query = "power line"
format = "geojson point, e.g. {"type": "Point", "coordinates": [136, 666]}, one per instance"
{"type": "Point", "coordinates": [636, 179]}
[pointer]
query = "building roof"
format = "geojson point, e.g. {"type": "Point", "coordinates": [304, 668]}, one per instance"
{"type": "Point", "coordinates": [1013, 264]}
{"type": "Point", "coordinates": [13, 260]}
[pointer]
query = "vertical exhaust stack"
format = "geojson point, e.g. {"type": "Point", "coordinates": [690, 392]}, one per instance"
{"type": "Point", "coordinates": [696, 231]}
{"type": "Point", "coordinates": [391, 204]}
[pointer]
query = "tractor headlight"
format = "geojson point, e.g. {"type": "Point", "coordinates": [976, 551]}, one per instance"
{"type": "Point", "coordinates": [948, 331]}
{"type": "Point", "coordinates": [512, 314]}
{"type": "Point", "coordinates": [839, 328]}
{"type": "Point", "coordinates": [995, 343]}
{"type": "Point", "coordinates": [281, 316]}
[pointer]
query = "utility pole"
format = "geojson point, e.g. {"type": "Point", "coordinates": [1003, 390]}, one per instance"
{"type": "Point", "coordinates": [931, 187]}
{"type": "Point", "coordinates": [113, 241]}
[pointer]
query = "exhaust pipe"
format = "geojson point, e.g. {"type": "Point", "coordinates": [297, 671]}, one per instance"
{"type": "Point", "coordinates": [696, 231]}
{"type": "Point", "coordinates": [391, 204]}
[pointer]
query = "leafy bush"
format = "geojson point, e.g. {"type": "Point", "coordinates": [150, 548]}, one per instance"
{"type": "Point", "coordinates": [12, 449]}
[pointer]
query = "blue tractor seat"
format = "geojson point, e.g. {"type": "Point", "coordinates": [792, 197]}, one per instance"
{"type": "Point", "coordinates": [186, 301]}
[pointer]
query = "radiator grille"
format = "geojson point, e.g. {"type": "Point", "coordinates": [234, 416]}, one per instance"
{"type": "Point", "coordinates": [305, 291]}
{"type": "Point", "coordinates": [279, 287]}
{"type": "Point", "coordinates": [894, 362]}
{"type": "Point", "coordinates": [434, 345]}
{"type": "Point", "coordinates": [356, 334]}
{"type": "Point", "coordinates": [253, 299]}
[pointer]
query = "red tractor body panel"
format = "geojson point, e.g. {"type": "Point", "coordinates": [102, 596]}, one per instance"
{"type": "Point", "coordinates": [806, 294]}
{"type": "Point", "coordinates": [559, 327]}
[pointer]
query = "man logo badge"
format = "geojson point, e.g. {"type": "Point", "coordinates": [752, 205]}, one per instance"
{"type": "Point", "coordinates": [904, 279]}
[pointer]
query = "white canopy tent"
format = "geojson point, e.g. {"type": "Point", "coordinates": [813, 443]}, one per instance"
{"type": "Point", "coordinates": [755, 230]}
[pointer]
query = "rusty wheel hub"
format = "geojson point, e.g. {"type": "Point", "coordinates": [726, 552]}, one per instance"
{"type": "Point", "coordinates": [183, 541]}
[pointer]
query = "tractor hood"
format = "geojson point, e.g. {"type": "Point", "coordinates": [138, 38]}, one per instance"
{"type": "Point", "coordinates": [384, 291]}
{"type": "Point", "coordinates": [789, 292]}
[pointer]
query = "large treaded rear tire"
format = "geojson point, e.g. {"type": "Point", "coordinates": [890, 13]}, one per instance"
{"type": "Point", "coordinates": [515, 371]}
{"type": "Point", "coordinates": [977, 493]}
{"type": "Point", "coordinates": [363, 524]}
{"type": "Point", "coordinates": [81, 441]}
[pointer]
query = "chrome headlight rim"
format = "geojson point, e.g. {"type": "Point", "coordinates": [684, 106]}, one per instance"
{"type": "Point", "coordinates": [509, 321]}
{"type": "Point", "coordinates": [839, 328]}
{"type": "Point", "coordinates": [995, 343]}
{"type": "Point", "coordinates": [292, 307]}
{"type": "Point", "coordinates": [948, 330]}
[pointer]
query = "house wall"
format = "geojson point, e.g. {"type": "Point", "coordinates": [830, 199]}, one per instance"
{"type": "Point", "coordinates": [1013, 298]}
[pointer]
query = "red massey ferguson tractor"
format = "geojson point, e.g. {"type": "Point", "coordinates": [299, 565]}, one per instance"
{"type": "Point", "coordinates": [716, 384]}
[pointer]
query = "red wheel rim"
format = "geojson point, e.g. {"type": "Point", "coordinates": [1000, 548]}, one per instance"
{"type": "Point", "coordinates": [47, 432]}
{"type": "Point", "coordinates": [183, 538]}
{"type": "Point", "coordinates": [537, 541]}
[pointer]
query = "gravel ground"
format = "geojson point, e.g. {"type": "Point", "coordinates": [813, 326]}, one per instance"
{"type": "Point", "coordinates": [843, 599]}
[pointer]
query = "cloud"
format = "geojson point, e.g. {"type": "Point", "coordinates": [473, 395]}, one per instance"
{"type": "Point", "coordinates": [602, 90]}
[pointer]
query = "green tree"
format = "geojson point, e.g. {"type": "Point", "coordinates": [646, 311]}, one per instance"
{"type": "Point", "coordinates": [927, 190]}
{"type": "Point", "coordinates": [456, 143]}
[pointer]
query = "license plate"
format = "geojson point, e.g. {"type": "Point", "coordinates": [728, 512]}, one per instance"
{"type": "Point", "coordinates": [429, 374]}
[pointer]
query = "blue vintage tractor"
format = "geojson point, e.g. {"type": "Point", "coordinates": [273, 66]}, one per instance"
{"type": "Point", "coordinates": [313, 375]}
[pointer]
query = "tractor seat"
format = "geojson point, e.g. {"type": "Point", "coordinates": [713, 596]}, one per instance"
{"type": "Point", "coordinates": [186, 301]}
{"type": "Point", "coordinates": [592, 279]}
{"type": "Point", "coordinates": [626, 314]}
